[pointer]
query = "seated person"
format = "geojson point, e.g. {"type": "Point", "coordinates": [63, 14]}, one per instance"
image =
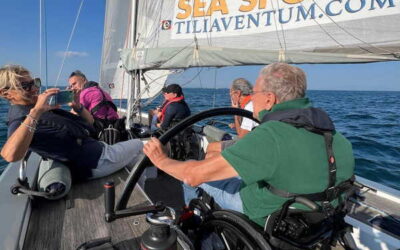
{"type": "Point", "coordinates": [275, 153]}
{"type": "Point", "coordinates": [240, 98]}
{"type": "Point", "coordinates": [240, 93]}
{"type": "Point", "coordinates": [172, 110]}
{"type": "Point", "coordinates": [55, 133]}
{"type": "Point", "coordinates": [92, 97]}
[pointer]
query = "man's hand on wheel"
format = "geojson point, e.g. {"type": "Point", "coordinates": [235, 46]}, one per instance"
{"type": "Point", "coordinates": [154, 150]}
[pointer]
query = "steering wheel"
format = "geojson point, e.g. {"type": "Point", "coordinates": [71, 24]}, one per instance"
{"type": "Point", "coordinates": [144, 162]}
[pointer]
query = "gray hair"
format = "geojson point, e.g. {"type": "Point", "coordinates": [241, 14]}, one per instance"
{"type": "Point", "coordinates": [78, 73]}
{"type": "Point", "coordinates": [287, 82]}
{"type": "Point", "coordinates": [243, 85]}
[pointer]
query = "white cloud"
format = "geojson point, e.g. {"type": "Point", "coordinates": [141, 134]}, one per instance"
{"type": "Point", "coordinates": [72, 54]}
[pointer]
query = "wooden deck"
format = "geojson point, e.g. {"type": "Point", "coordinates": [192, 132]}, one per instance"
{"type": "Point", "coordinates": [79, 218]}
{"type": "Point", "coordinates": [67, 223]}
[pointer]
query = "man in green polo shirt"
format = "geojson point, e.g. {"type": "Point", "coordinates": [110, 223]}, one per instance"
{"type": "Point", "coordinates": [288, 158]}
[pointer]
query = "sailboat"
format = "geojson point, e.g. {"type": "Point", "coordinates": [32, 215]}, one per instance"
{"type": "Point", "coordinates": [144, 41]}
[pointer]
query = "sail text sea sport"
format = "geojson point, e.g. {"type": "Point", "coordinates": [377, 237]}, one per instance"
{"type": "Point", "coordinates": [224, 18]}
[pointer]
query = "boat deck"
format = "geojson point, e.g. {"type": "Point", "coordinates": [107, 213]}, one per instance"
{"type": "Point", "coordinates": [378, 214]}
{"type": "Point", "coordinates": [78, 218]}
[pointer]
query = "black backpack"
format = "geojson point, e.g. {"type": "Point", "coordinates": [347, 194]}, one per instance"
{"type": "Point", "coordinates": [112, 131]}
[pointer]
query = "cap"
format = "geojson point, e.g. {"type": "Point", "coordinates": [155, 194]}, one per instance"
{"type": "Point", "coordinates": [173, 88]}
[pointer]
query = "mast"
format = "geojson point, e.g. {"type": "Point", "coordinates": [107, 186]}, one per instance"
{"type": "Point", "coordinates": [134, 80]}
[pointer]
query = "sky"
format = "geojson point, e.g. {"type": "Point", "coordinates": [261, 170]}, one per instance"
{"type": "Point", "coordinates": [19, 44]}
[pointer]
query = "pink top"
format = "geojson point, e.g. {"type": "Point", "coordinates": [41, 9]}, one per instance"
{"type": "Point", "coordinates": [92, 96]}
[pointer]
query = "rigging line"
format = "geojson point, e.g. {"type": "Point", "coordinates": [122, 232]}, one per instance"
{"type": "Point", "coordinates": [186, 83]}
{"type": "Point", "coordinates": [192, 23]}
{"type": "Point", "coordinates": [208, 38]}
{"type": "Point", "coordinates": [324, 30]}
{"type": "Point", "coordinates": [159, 18]}
{"type": "Point", "coordinates": [147, 86]}
{"type": "Point", "coordinates": [69, 41]}
{"type": "Point", "coordinates": [350, 34]}
{"type": "Point", "coordinates": [152, 80]}
{"type": "Point", "coordinates": [201, 84]}
{"type": "Point", "coordinates": [196, 41]}
{"type": "Point", "coordinates": [283, 31]}
{"type": "Point", "coordinates": [215, 86]}
{"type": "Point", "coordinates": [45, 44]}
{"type": "Point", "coordinates": [150, 100]}
{"type": "Point", "coordinates": [122, 90]}
{"type": "Point", "coordinates": [276, 26]}
{"type": "Point", "coordinates": [40, 38]}
{"type": "Point", "coordinates": [208, 34]}
{"type": "Point", "coordinates": [180, 51]}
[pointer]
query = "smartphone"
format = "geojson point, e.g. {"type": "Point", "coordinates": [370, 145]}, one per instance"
{"type": "Point", "coordinates": [62, 97]}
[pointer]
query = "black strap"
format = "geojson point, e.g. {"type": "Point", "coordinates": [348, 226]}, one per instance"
{"type": "Point", "coordinates": [316, 121]}
{"type": "Point", "coordinates": [104, 102]}
{"type": "Point", "coordinates": [327, 195]}
{"type": "Point", "coordinates": [331, 192]}
{"type": "Point", "coordinates": [332, 165]}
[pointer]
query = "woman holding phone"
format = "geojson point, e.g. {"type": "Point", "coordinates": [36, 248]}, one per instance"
{"type": "Point", "coordinates": [55, 133]}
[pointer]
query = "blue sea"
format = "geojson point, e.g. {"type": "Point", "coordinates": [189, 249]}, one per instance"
{"type": "Point", "coordinates": [369, 119]}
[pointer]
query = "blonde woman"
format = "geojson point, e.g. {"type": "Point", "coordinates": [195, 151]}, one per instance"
{"type": "Point", "coordinates": [55, 133]}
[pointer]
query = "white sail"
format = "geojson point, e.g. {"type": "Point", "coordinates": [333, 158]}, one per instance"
{"type": "Point", "coordinates": [117, 28]}
{"type": "Point", "coordinates": [118, 34]}
{"type": "Point", "coordinates": [183, 34]}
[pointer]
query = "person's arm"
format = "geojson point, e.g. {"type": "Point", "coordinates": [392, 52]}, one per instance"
{"type": "Point", "coordinates": [18, 143]}
{"type": "Point", "coordinates": [192, 173]}
{"type": "Point", "coordinates": [235, 103]}
{"type": "Point", "coordinates": [213, 149]}
{"type": "Point", "coordinates": [79, 109]}
{"type": "Point", "coordinates": [239, 130]}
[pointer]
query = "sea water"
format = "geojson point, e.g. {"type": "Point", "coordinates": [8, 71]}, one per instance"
{"type": "Point", "coordinates": [369, 119]}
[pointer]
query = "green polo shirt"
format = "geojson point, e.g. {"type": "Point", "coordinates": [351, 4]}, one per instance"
{"type": "Point", "coordinates": [288, 158]}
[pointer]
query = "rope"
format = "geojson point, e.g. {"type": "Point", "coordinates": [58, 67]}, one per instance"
{"type": "Point", "coordinates": [198, 73]}
{"type": "Point", "coordinates": [325, 31]}
{"type": "Point", "coordinates": [40, 38]}
{"type": "Point", "coordinates": [353, 36]}
{"type": "Point", "coordinates": [139, 96]}
{"type": "Point", "coordinates": [276, 26]}
{"type": "Point", "coordinates": [69, 41]}
{"type": "Point", "coordinates": [42, 21]}
{"type": "Point", "coordinates": [215, 86]}
{"type": "Point", "coordinates": [283, 32]}
{"type": "Point", "coordinates": [45, 46]}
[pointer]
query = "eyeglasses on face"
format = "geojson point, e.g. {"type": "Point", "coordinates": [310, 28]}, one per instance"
{"type": "Point", "coordinates": [27, 86]}
{"type": "Point", "coordinates": [259, 91]}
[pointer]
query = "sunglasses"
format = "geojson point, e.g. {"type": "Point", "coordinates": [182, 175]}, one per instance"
{"type": "Point", "coordinates": [27, 86]}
